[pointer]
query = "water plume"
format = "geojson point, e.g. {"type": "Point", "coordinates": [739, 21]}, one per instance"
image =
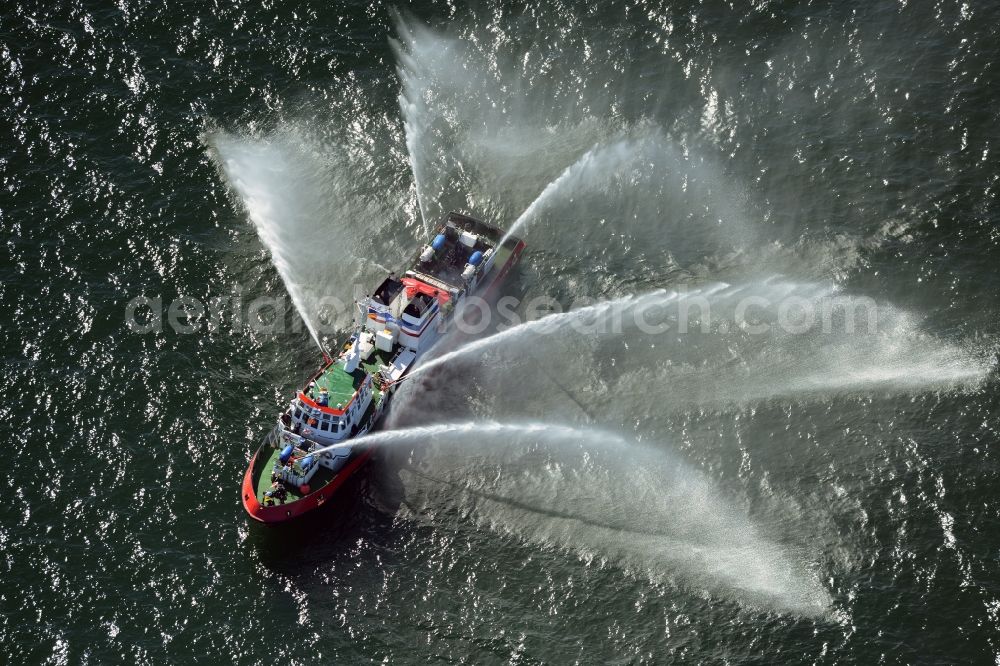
{"type": "Point", "coordinates": [548, 324]}
{"type": "Point", "coordinates": [423, 58]}
{"type": "Point", "coordinates": [413, 133]}
{"type": "Point", "coordinates": [641, 200]}
{"type": "Point", "coordinates": [481, 134]}
{"type": "Point", "coordinates": [433, 78]}
{"type": "Point", "coordinates": [596, 165]}
{"type": "Point", "coordinates": [606, 498]}
{"type": "Point", "coordinates": [716, 346]}
{"type": "Point", "coordinates": [490, 128]}
{"type": "Point", "coordinates": [508, 160]}
{"type": "Point", "coordinates": [304, 209]}
{"type": "Point", "coordinates": [851, 344]}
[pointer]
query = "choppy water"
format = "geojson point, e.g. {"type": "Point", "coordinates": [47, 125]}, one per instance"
{"type": "Point", "coordinates": [587, 495]}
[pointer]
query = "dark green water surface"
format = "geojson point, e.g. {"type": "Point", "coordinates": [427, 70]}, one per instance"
{"type": "Point", "coordinates": [611, 498]}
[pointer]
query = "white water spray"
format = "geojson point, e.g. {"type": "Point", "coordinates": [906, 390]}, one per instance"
{"type": "Point", "coordinates": [413, 132]}
{"type": "Point", "coordinates": [599, 495]}
{"type": "Point", "coordinates": [850, 344]}
{"type": "Point", "coordinates": [304, 210]}
{"type": "Point", "coordinates": [599, 164]}
{"type": "Point", "coordinates": [252, 169]}
{"type": "Point", "coordinates": [425, 62]}
{"type": "Point", "coordinates": [744, 343]}
{"type": "Point", "coordinates": [549, 324]}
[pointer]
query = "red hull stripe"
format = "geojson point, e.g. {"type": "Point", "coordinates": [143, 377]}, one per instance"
{"type": "Point", "coordinates": [317, 498]}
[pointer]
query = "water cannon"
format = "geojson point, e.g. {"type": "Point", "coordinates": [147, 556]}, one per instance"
{"type": "Point", "coordinates": [470, 268]}
{"type": "Point", "coordinates": [436, 246]}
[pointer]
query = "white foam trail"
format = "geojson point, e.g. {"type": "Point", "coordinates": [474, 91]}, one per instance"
{"type": "Point", "coordinates": [601, 495]}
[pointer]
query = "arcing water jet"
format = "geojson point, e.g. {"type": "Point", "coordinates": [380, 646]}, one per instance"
{"type": "Point", "coordinates": [548, 324]}
{"type": "Point", "coordinates": [597, 494]}
{"type": "Point", "coordinates": [719, 346]}
{"type": "Point", "coordinates": [303, 210]}
{"type": "Point", "coordinates": [597, 164]}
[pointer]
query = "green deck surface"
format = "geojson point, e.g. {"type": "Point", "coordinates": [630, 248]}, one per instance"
{"type": "Point", "coordinates": [339, 383]}
{"type": "Point", "coordinates": [342, 384]}
{"type": "Point", "coordinates": [322, 476]}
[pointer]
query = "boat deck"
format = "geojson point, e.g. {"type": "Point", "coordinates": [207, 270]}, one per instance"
{"type": "Point", "coordinates": [372, 365]}
{"type": "Point", "coordinates": [322, 477]}
{"type": "Point", "coordinates": [342, 384]}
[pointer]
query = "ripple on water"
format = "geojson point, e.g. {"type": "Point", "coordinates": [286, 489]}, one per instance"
{"type": "Point", "coordinates": [847, 147]}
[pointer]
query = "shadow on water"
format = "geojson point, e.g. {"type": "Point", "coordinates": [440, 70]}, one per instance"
{"type": "Point", "coordinates": [582, 490]}
{"type": "Point", "coordinates": [515, 503]}
{"type": "Point", "coordinates": [358, 509]}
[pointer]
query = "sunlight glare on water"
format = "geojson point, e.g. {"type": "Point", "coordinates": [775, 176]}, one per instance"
{"type": "Point", "coordinates": [541, 494]}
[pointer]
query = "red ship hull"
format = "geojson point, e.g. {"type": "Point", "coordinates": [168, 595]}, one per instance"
{"type": "Point", "coordinates": [317, 498]}
{"type": "Point", "coordinates": [279, 513]}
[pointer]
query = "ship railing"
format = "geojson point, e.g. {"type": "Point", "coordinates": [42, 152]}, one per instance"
{"type": "Point", "coordinates": [282, 434]}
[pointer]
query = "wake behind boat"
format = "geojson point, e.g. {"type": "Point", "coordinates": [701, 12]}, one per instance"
{"type": "Point", "coordinates": [294, 470]}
